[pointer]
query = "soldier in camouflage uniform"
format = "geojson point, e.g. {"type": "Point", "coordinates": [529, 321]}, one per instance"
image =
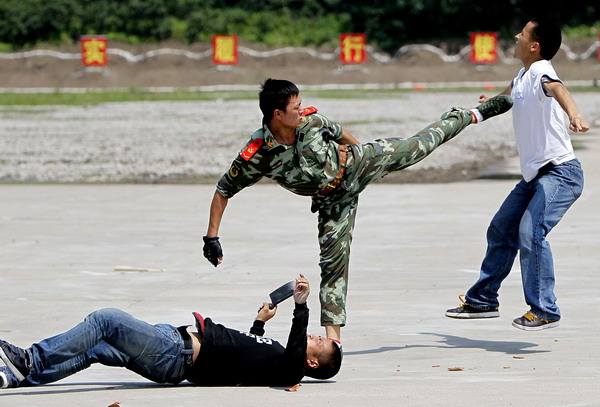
{"type": "Point", "coordinates": [310, 155]}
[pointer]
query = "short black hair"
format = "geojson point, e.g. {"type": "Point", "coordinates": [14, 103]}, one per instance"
{"type": "Point", "coordinates": [275, 94]}
{"type": "Point", "coordinates": [548, 35]}
{"type": "Point", "coordinates": [329, 366]}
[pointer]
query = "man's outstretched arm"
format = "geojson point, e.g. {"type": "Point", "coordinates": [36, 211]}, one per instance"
{"type": "Point", "coordinates": [212, 247]}
{"type": "Point", "coordinates": [560, 92]}
{"type": "Point", "coordinates": [265, 313]}
{"type": "Point", "coordinates": [296, 344]}
{"type": "Point", "coordinates": [507, 91]}
{"type": "Point", "coordinates": [217, 208]}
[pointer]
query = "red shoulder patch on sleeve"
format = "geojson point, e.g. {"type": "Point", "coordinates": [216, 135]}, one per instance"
{"type": "Point", "coordinates": [252, 149]}
{"type": "Point", "coordinates": [310, 110]}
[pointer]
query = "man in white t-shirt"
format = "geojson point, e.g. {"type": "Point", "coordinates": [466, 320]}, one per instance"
{"type": "Point", "coordinates": [552, 182]}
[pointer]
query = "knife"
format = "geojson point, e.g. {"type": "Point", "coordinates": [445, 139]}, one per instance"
{"type": "Point", "coordinates": [282, 293]}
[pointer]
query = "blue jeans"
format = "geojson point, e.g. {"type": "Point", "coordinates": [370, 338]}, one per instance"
{"type": "Point", "coordinates": [113, 338]}
{"type": "Point", "coordinates": [521, 224]}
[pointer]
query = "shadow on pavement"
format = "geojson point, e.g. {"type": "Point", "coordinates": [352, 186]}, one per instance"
{"type": "Point", "coordinates": [47, 389]}
{"type": "Point", "coordinates": [456, 342]}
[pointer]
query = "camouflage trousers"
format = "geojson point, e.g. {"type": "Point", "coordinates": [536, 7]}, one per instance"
{"type": "Point", "coordinates": [337, 211]}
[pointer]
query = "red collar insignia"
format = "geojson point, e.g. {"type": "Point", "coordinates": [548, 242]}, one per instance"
{"type": "Point", "coordinates": [252, 149]}
{"type": "Point", "coordinates": [309, 110]}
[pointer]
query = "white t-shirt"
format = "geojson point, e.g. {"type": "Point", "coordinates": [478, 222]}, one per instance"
{"type": "Point", "coordinates": [539, 122]}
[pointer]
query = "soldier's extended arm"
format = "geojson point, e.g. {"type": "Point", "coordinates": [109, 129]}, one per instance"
{"type": "Point", "coordinates": [347, 138]}
{"type": "Point", "coordinates": [212, 247]}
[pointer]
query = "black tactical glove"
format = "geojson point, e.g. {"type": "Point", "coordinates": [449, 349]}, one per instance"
{"type": "Point", "coordinates": [212, 249]}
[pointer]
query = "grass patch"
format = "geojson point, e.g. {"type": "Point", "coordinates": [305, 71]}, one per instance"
{"type": "Point", "coordinates": [22, 111]}
{"type": "Point", "coordinates": [96, 96]}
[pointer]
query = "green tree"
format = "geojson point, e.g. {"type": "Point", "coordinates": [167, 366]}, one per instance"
{"type": "Point", "coordinates": [387, 23]}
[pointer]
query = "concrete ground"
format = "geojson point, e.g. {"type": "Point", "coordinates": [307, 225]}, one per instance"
{"type": "Point", "coordinates": [416, 248]}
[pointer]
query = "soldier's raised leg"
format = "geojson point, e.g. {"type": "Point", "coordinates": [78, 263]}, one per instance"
{"type": "Point", "coordinates": [376, 159]}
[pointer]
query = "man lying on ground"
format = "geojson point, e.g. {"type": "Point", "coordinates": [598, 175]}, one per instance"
{"type": "Point", "coordinates": [213, 355]}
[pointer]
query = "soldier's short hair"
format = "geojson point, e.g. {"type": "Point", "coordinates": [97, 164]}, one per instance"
{"type": "Point", "coordinates": [548, 35]}
{"type": "Point", "coordinates": [275, 94]}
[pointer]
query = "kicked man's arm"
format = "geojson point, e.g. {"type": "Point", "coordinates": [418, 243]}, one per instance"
{"type": "Point", "coordinates": [507, 91]}
{"type": "Point", "coordinates": [560, 92]}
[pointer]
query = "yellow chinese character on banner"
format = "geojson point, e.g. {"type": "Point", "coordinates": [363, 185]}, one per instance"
{"type": "Point", "coordinates": [353, 48]}
{"type": "Point", "coordinates": [225, 49]}
{"type": "Point", "coordinates": [93, 50]}
{"type": "Point", "coordinates": [483, 47]}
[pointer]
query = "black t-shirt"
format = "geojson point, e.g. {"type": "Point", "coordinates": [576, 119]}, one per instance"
{"type": "Point", "coordinates": [229, 357]}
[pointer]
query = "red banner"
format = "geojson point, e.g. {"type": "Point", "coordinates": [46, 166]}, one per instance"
{"type": "Point", "coordinates": [353, 48]}
{"type": "Point", "coordinates": [484, 47]}
{"type": "Point", "coordinates": [225, 49]}
{"type": "Point", "coordinates": [93, 50]}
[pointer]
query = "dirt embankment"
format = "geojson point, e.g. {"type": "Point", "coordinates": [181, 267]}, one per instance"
{"type": "Point", "coordinates": [196, 141]}
{"type": "Point", "coordinates": [302, 67]}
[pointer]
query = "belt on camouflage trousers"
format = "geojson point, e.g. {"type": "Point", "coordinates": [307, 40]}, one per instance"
{"type": "Point", "coordinates": [343, 150]}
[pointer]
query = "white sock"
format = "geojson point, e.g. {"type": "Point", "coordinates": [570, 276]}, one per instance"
{"type": "Point", "coordinates": [477, 115]}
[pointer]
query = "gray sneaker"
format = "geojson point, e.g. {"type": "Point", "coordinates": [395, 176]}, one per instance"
{"type": "Point", "coordinates": [531, 322]}
{"type": "Point", "coordinates": [15, 359]}
{"type": "Point", "coordinates": [494, 106]}
{"type": "Point", "coordinates": [465, 311]}
{"type": "Point", "coordinates": [3, 380]}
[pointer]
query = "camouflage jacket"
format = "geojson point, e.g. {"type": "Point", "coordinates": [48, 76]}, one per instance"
{"type": "Point", "coordinates": [303, 168]}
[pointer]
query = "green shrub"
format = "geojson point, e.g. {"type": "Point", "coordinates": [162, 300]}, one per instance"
{"type": "Point", "coordinates": [388, 24]}
{"type": "Point", "coordinates": [582, 31]}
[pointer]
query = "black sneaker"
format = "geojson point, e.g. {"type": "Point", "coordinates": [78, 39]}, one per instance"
{"type": "Point", "coordinates": [15, 359]}
{"type": "Point", "coordinates": [465, 311]}
{"type": "Point", "coordinates": [530, 322]}
{"type": "Point", "coordinates": [494, 106]}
